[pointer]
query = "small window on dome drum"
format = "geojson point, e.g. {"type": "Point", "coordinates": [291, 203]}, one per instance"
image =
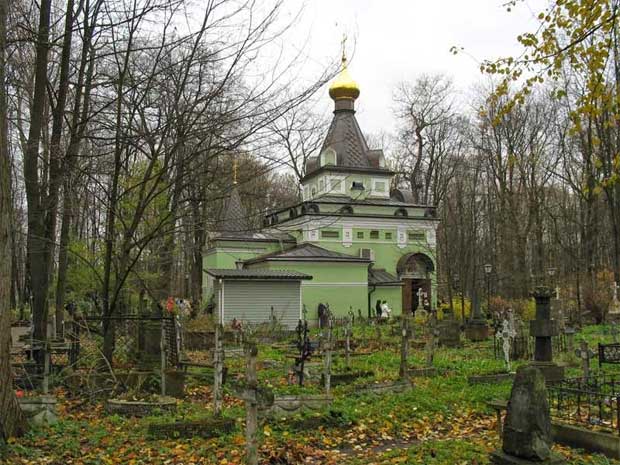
{"type": "Point", "coordinates": [357, 186]}
{"type": "Point", "coordinates": [401, 212]}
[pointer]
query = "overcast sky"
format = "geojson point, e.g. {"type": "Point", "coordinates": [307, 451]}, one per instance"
{"type": "Point", "coordinates": [396, 40]}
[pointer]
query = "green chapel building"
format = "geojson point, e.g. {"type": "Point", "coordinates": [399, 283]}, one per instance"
{"type": "Point", "coordinates": [352, 240]}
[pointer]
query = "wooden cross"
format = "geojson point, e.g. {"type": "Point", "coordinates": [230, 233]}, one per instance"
{"type": "Point", "coordinates": [585, 354]}
{"type": "Point", "coordinates": [557, 293]}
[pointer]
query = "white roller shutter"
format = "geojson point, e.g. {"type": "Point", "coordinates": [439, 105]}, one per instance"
{"type": "Point", "coordinates": [251, 301]}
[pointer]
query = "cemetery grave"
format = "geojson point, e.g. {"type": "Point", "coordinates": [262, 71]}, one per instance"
{"type": "Point", "coordinates": [382, 418]}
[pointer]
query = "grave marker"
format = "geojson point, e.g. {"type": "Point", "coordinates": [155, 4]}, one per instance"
{"type": "Point", "coordinates": [251, 404]}
{"type": "Point", "coordinates": [404, 345]}
{"type": "Point", "coordinates": [328, 355]}
{"type": "Point", "coordinates": [507, 335]}
{"type": "Point", "coordinates": [432, 333]}
{"type": "Point", "coordinates": [585, 354]}
{"type": "Point", "coordinates": [543, 328]}
{"type": "Point", "coordinates": [218, 371]}
{"type": "Point", "coordinates": [526, 437]}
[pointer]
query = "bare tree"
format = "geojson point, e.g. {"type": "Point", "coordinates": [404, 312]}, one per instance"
{"type": "Point", "coordinates": [11, 418]}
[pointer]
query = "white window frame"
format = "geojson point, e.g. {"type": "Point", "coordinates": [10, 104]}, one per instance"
{"type": "Point", "coordinates": [341, 185]}
{"type": "Point", "coordinates": [375, 192]}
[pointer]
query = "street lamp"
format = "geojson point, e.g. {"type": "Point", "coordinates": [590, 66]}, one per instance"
{"type": "Point", "coordinates": [457, 280]}
{"type": "Point", "coordinates": [487, 272]}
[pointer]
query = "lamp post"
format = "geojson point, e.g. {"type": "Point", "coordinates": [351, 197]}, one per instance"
{"type": "Point", "coordinates": [488, 268]}
{"type": "Point", "coordinates": [457, 280]}
{"type": "Point", "coordinates": [477, 329]}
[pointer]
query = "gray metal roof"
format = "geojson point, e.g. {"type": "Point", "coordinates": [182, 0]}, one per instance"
{"type": "Point", "coordinates": [257, 237]}
{"type": "Point", "coordinates": [233, 218]}
{"type": "Point", "coordinates": [380, 277]}
{"type": "Point", "coordinates": [285, 275]}
{"type": "Point", "coordinates": [308, 252]}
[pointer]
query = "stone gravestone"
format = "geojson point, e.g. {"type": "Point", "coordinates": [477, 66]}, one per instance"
{"type": "Point", "coordinates": [476, 329]}
{"type": "Point", "coordinates": [585, 354]}
{"type": "Point", "coordinates": [149, 342]}
{"type": "Point", "coordinates": [526, 437]}
{"type": "Point", "coordinates": [449, 331]}
{"type": "Point", "coordinates": [543, 328]}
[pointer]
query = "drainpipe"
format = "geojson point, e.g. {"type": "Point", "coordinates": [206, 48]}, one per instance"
{"type": "Point", "coordinates": [374, 287]}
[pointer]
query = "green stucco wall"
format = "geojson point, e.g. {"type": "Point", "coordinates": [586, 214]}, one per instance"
{"type": "Point", "coordinates": [391, 294]}
{"type": "Point", "coordinates": [225, 254]}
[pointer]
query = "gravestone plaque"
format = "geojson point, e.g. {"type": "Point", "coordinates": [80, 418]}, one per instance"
{"type": "Point", "coordinates": [449, 331]}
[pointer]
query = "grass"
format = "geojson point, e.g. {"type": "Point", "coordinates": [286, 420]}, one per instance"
{"type": "Point", "coordinates": [442, 420]}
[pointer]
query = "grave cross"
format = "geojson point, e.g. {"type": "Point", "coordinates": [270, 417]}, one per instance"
{"type": "Point", "coordinates": [557, 293]}
{"type": "Point", "coordinates": [303, 344]}
{"type": "Point", "coordinates": [218, 370]}
{"type": "Point", "coordinates": [348, 333]}
{"type": "Point", "coordinates": [327, 364]}
{"type": "Point", "coordinates": [615, 291]}
{"type": "Point", "coordinates": [507, 334]}
{"type": "Point", "coordinates": [404, 347]}
{"type": "Point", "coordinates": [585, 354]}
{"type": "Point", "coordinates": [251, 404]}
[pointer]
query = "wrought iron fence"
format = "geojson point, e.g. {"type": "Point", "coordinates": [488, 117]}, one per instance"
{"type": "Point", "coordinates": [522, 347]}
{"type": "Point", "coordinates": [137, 340]}
{"type": "Point", "coordinates": [608, 353]}
{"type": "Point", "coordinates": [590, 402]}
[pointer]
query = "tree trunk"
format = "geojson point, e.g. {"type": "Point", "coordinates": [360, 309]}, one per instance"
{"type": "Point", "coordinates": [11, 418]}
{"type": "Point", "coordinates": [38, 246]}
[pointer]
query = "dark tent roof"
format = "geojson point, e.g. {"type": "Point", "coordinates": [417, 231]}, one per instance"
{"type": "Point", "coordinates": [346, 138]}
{"type": "Point", "coordinates": [233, 219]}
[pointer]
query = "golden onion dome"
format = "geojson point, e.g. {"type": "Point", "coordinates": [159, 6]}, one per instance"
{"type": "Point", "coordinates": [344, 87]}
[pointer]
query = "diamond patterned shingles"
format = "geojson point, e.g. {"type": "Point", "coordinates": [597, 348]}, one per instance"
{"type": "Point", "coordinates": [233, 218]}
{"type": "Point", "coordinates": [346, 138]}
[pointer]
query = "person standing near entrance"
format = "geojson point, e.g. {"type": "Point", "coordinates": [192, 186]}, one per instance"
{"type": "Point", "coordinates": [378, 309]}
{"type": "Point", "coordinates": [385, 310]}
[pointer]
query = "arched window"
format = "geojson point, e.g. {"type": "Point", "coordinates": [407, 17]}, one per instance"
{"type": "Point", "coordinates": [328, 157]}
{"type": "Point", "coordinates": [292, 213]}
{"type": "Point", "coordinates": [346, 210]}
{"type": "Point", "coordinates": [312, 208]}
{"type": "Point", "coordinates": [401, 212]}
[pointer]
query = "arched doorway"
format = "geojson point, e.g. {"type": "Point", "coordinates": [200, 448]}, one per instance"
{"type": "Point", "coordinates": [415, 270]}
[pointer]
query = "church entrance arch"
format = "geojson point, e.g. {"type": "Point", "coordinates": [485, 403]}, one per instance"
{"type": "Point", "coordinates": [415, 270]}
